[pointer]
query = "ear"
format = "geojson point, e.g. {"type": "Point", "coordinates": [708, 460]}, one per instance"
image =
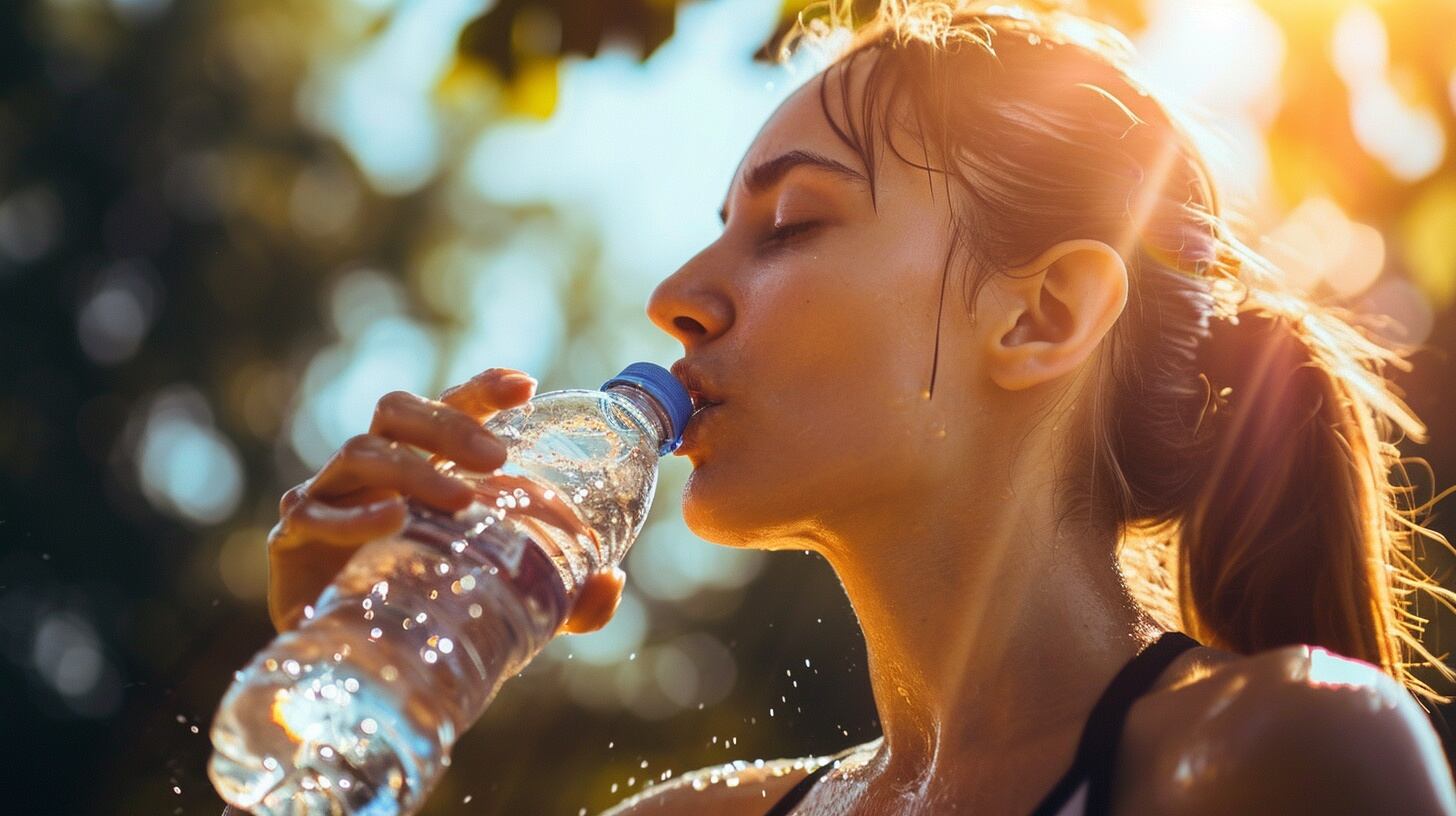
{"type": "Point", "coordinates": [1051, 313]}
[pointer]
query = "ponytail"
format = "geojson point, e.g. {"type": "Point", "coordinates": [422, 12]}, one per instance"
{"type": "Point", "coordinates": [1295, 533]}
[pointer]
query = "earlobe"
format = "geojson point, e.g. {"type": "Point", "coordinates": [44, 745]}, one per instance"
{"type": "Point", "coordinates": [1052, 312]}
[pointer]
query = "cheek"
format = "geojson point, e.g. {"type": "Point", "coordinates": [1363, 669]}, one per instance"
{"type": "Point", "coordinates": [806, 457]}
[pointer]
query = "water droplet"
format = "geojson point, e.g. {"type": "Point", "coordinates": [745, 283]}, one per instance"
{"type": "Point", "coordinates": [269, 763]}
{"type": "Point", "coordinates": [467, 583]}
{"type": "Point", "coordinates": [475, 611]}
{"type": "Point", "coordinates": [446, 646]}
{"type": "Point", "coordinates": [430, 656]}
{"type": "Point", "coordinates": [368, 725]}
{"type": "Point", "coordinates": [326, 752]}
{"type": "Point", "coordinates": [389, 673]}
{"type": "Point", "coordinates": [290, 667]}
{"type": "Point", "coordinates": [308, 611]}
{"type": "Point", "coordinates": [376, 633]}
{"type": "Point", "coordinates": [351, 685]}
{"type": "Point", "coordinates": [443, 567]}
{"type": "Point", "coordinates": [467, 799]}
{"type": "Point", "coordinates": [192, 728]}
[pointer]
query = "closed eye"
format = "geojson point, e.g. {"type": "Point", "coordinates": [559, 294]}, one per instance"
{"type": "Point", "coordinates": [783, 234]}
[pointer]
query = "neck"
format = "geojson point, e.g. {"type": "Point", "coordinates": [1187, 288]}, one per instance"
{"type": "Point", "coordinates": [996, 637]}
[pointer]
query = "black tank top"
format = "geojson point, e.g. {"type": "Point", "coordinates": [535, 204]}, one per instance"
{"type": "Point", "coordinates": [1096, 755]}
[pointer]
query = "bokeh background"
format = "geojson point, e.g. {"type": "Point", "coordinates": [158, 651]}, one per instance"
{"type": "Point", "coordinates": [228, 226]}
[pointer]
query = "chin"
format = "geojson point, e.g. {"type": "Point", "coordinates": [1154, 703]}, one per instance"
{"type": "Point", "coordinates": [734, 511]}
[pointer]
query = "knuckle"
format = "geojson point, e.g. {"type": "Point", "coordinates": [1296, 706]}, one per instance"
{"type": "Point", "coordinates": [292, 497]}
{"type": "Point", "coordinates": [394, 402]}
{"type": "Point", "coordinates": [360, 443]}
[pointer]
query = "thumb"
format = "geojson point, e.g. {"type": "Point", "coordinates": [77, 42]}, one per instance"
{"type": "Point", "coordinates": [597, 601]}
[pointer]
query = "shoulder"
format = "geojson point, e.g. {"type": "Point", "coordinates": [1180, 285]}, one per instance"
{"type": "Point", "coordinates": [735, 788]}
{"type": "Point", "coordinates": [1301, 729]}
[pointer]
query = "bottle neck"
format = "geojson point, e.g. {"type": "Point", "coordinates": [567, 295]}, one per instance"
{"type": "Point", "coordinates": [658, 421]}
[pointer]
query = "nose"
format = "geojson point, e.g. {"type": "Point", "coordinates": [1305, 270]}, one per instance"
{"type": "Point", "coordinates": [691, 305]}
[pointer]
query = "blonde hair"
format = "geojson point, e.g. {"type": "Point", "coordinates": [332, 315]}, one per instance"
{"type": "Point", "coordinates": [1238, 421]}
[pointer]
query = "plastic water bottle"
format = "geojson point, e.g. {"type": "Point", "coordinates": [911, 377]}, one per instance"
{"type": "Point", "coordinates": [355, 711]}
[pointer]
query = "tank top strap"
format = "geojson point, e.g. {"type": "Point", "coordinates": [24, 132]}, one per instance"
{"type": "Point", "coordinates": [1095, 760]}
{"type": "Point", "coordinates": [796, 794]}
{"type": "Point", "coordinates": [785, 805]}
{"type": "Point", "coordinates": [1096, 757]}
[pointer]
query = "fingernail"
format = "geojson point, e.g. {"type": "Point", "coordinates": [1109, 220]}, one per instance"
{"type": "Point", "coordinates": [517, 379]}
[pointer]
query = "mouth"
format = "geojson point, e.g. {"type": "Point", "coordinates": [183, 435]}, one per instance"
{"type": "Point", "coordinates": [701, 402]}
{"type": "Point", "coordinates": [694, 426]}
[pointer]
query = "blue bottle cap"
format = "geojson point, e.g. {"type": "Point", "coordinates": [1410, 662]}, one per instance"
{"type": "Point", "coordinates": [659, 383]}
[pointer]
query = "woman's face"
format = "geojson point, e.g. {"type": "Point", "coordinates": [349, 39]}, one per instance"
{"type": "Point", "coordinates": [812, 319]}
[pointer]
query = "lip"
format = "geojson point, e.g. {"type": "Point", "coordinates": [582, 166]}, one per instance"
{"type": "Point", "coordinates": [692, 430]}
{"type": "Point", "coordinates": [704, 396]}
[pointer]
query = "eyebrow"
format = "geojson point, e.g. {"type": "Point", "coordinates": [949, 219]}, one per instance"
{"type": "Point", "coordinates": [771, 172]}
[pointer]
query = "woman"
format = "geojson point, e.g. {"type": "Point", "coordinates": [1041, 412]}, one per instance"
{"type": "Point", "coordinates": [971, 302]}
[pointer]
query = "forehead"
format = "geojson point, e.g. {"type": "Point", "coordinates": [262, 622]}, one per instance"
{"type": "Point", "coordinates": [800, 122]}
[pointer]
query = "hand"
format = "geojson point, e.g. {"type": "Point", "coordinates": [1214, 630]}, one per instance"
{"type": "Point", "coordinates": [360, 493]}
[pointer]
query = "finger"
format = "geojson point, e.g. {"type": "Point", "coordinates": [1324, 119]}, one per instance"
{"type": "Point", "coordinates": [490, 391]}
{"type": "Point", "coordinates": [317, 521]}
{"type": "Point", "coordinates": [368, 461]}
{"type": "Point", "coordinates": [438, 428]}
{"type": "Point", "coordinates": [290, 499]}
